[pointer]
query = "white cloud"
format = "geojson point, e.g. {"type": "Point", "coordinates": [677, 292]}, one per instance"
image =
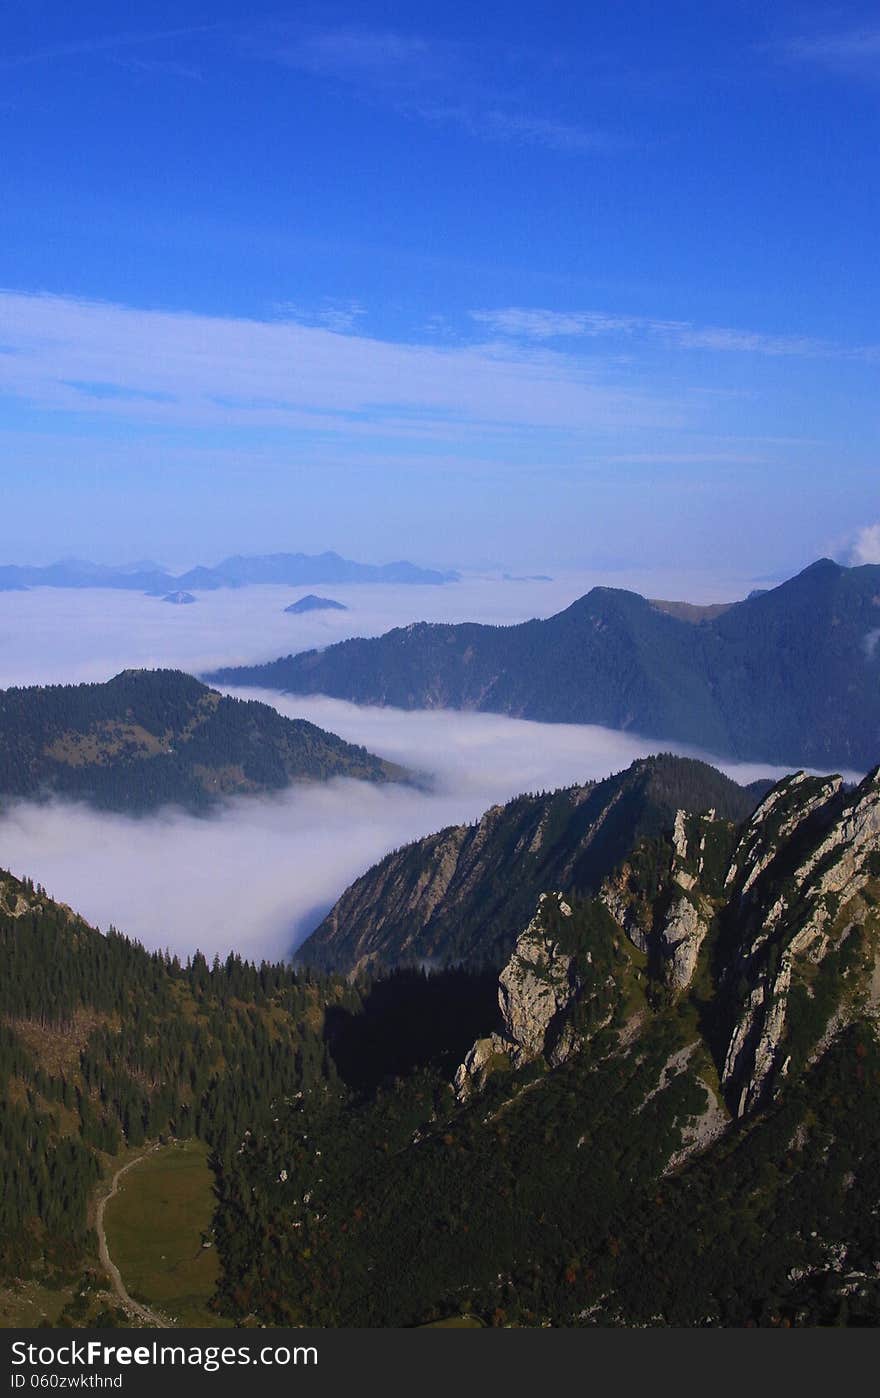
{"type": "Point", "coordinates": [429, 79]}
{"type": "Point", "coordinates": [496, 124]}
{"type": "Point", "coordinates": [100, 44]}
{"type": "Point", "coordinates": [538, 324]}
{"type": "Point", "coordinates": [361, 56]}
{"type": "Point", "coordinates": [259, 875]}
{"type": "Point", "coordinates": [182, 369]}
{"type": "Point", "coordinates": [865, 547]}
{"type": "Point", "coordinates": [534, 323]}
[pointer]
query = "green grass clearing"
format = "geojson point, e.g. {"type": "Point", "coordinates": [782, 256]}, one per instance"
{"type": "Point", "coordinates": [155, 1226]}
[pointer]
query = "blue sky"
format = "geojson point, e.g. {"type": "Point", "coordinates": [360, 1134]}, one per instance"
{"type": "Point", "coordinates": [558, 285]}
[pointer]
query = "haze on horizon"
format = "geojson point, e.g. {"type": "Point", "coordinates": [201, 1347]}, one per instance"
{"type": "Point", "coordinates": [532, 287]}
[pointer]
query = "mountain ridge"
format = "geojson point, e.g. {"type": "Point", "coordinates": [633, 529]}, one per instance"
{"type": "Point", "coordinates": [668, 1112]}
{"type": "Point", "coordinates": [458, 895]}
{"type": "Point", "coordinates": [672, 1122]}
{"type": "Point", "coordinates": [789, 676]}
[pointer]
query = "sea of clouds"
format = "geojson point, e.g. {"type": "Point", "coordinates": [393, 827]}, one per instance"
{"type": "Point", "coordinates": [258, 876]}
{"type": "Point", "coordinates": [58, 636]}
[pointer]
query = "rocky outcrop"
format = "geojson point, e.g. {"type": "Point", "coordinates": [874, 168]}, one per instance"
{"type": "Point", "coordinates": [681, 937]}
{"type": "Point", "coordinates": [479, 1062]}
{"type": "Point", "coordinates": [795, 881]}
{"type": "Point", "coordinates": [784, 809]}
{"type": "Point", "coordinates": [671, 923]}
{"type": "Point", "coordinates": [536, 990]}
{"type": "Point", "coordinates": [537, 983]}
{"type": "Point", "coordinates": [793, 896]}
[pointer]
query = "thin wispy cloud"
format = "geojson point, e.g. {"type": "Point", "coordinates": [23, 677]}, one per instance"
{"type": "Point", "coordinates": [545, 325]}
{"type": "Point", "coordinates": [380, 60]}
{"type": "Point", "coordinates": [537, 324]}
{"type": "Point", "coordinates": [854, 51]}
{"type": "Point", "coordinates": [187, 369]}
{"type": "Point", "coordinates": [533, 389]}
{"type": "Point", "coordinates": [338, 316]}
{"type": "Point", "coordinates": [162, 68]}
{"type": "Point", "coordinates": [433, 80]}
{"type": "Point", "coordinates": [522, 129]}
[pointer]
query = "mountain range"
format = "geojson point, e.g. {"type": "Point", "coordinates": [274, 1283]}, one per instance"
{"type": "Point", "coordinates": [149, 738]}
{"type": "Point", "coordinates": [672, 1121]}
{"type": "Point", "coordinates": [460, 895]}
{"type": "Point", "coordinates": [662, 1108]}
{"type": "Point", "coordinates": [789, 676]}
{"type": "Point", "coordinates": [237, 571]}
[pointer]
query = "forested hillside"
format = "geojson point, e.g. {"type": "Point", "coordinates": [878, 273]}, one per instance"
{"type": "Point", "coordinates": [790, 676]}
{"type": "Point", "coordinates": [148, 738]}
{"type": "Point", "coordinates": [665, 1109]}
{"type": "Point", "coordinates": [105, 1045]}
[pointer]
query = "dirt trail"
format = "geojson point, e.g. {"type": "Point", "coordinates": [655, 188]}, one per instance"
{"type": "Point", "coordinates": [133, 1308]}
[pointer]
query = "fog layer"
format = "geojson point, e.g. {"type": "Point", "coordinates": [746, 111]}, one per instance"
{"type": "Point", "coordinates": [61, 636]}
{"type": "Point", "coordinates": [258, 876]}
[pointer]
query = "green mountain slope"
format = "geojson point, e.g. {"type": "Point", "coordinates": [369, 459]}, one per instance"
{"type": "Point", "coordinates": [674, 1121]}
{"type": "Point", "coordinates": [668, 1112]}
{"type": "Point", "coordinates": [104, 1046]}
{"type": "Point", "coordinates": [462, 894]}
{"type": "Point", "coordinates": [789, 676]}
{"type": "Point", "coordinates": [152, 737]}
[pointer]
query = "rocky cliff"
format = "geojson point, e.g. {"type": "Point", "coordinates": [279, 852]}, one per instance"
{"type": "Point", "coordinates": [673, 1118]}
{"type": "Point", "coordinates": [769, 931]}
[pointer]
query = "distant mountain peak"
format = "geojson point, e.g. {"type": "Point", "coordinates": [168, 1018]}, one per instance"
{"type": "Point", "coordinates": [788, 677]}
{"type": "Point", "coordinates": [239, 570]}
{"type": "Point", "coordinates": [312, 603]}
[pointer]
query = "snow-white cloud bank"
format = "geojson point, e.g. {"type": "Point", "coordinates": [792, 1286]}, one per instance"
{"type": "Point", "coordinates": [258, 876]}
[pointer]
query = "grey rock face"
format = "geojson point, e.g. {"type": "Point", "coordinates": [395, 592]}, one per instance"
{"type": "Point", "coordinates": [796, 926]}
{"type": "Point", "coordinates": [681, 937]}
{"type": "Point", "coordinates": [800, 883]}
{"type": "Point", "coordinates": [535, 985]}
{"type": "Point", "coordinates": [535, 989]}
